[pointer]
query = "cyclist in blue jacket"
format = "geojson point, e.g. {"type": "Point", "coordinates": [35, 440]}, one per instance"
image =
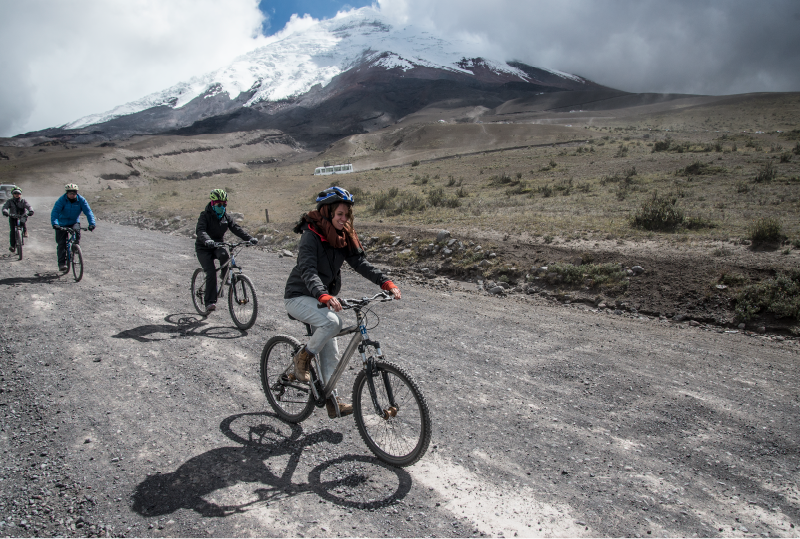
{"type": "Point", "coordinates": [66, 213]}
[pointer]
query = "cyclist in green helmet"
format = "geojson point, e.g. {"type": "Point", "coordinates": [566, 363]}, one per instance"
{"type": "Point", "coordinates": [211, 227]}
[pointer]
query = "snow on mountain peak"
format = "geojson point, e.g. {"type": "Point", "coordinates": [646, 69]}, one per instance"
{"type": "Point", "coordinates": [313, 54]}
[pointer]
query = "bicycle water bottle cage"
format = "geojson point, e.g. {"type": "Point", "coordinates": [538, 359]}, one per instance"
{"type": "Point", "coordinates": [308, 326]}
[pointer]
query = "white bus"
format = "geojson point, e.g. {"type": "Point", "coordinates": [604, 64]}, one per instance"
{"type": "Point", "coordinates": [335, 169]}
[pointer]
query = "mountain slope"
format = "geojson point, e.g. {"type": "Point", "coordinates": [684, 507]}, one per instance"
{"type": "Point", "coordinates": [350, 74]}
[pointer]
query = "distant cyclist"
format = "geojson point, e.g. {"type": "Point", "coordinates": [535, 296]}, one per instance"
{"type": "Point", "coordinates": [66, 213]}
{"type": "Point", "coordinates": [211, 227]}
{"type": "Point", "coordinates": [13, 208]}
{"type": "Point", "coordinates": [328, 240]}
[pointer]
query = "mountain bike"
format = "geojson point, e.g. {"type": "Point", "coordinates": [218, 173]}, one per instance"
{"type": "Point", "coordinates": [242, 300]}
{"type": "Point", "coordinates": [390, 411]}
{"type": "Point", "coordinates": [18, 235]}
{"type": "Point", "coordinates": [74, 255]}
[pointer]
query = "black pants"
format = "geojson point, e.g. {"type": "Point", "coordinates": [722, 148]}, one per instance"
{"type": "Point", "coordinates": [206, 258]}
{"type": "Point", "coordinates": [61, 240]}
{"type": "Point", "coordinates": [12, 227]}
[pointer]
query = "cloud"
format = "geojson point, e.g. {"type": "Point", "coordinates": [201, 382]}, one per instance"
{"type": "Point", "coordinates": [65, 60]}
{"type": "Point", "coordinates": [687, 46]}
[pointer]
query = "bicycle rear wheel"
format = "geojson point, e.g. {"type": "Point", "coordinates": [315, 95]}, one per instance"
{"type": "Point", "coordinates": [399, 430]}
{"type": "Point", "coordinates": [77, 263]}
{"type": "Point", "coordinates": [242, 301]}
{"type": "Point", "coordinates": [199, 291]}
{"type": "Point", "coordinates": [18, 240]}
{"type": "Point", "coordinates": [291, 400]}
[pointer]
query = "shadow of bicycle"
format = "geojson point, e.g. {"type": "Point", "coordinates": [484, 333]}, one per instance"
{"type": "Point", "coordinates": [354, 481]}
{"type": "Point", "coordinates": [38, 278]}
{"type": "Point", "coordinates": [179, 325]}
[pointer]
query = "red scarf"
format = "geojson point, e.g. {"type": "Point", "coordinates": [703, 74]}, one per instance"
{"type": "Point", "coordinates": [339, 239]}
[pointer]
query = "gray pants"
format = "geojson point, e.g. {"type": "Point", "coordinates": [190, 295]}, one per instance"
{"type": "Point", "coordinates": [325, 325]}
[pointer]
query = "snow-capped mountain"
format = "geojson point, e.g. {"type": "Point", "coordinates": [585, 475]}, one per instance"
{"type": "Point", "coordinates": [392, 70]}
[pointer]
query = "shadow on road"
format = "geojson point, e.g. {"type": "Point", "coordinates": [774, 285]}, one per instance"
{"type": "Point", "coordinates": [179, 325]}
{"type": "Point", "coordinates": [349, 481]}
{"type": "Point", "coordinates": [48, 277]}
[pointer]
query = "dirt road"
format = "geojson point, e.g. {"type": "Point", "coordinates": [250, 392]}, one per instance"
{"type": "Point", "coordinates": [125, 413]}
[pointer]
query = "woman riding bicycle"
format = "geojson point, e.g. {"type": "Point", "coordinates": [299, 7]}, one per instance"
{"type": "Point", "coordinates": [211, 227]}
{"type": "Point", "coordinates": [328, 240]}
{"type": "Point", "coordinates": [13, 208]}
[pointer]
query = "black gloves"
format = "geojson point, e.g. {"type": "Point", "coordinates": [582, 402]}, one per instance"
{"type": "Point", "coordinates": [55, 227]}
{"type": "Point", "coordinates": [253, 241]}
{"type": "Point", "coordinates": [5, 212]}
{"type": "Point", "coordinates": [210, 243]}
{"type": "Point", "coordinates": [30, 213]}
{"type": "Point", "coordinates": [91, 227]}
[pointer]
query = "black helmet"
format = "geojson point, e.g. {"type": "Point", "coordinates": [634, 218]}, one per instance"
{"type": "Point", "coordinates": [332, 195]}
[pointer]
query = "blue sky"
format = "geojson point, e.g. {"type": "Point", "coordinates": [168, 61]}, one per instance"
{"type": "Point", "coordinates": [280, 11]}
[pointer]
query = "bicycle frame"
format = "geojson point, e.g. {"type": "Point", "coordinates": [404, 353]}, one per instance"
{"type": "Point", "coordinates": [359, 341]}
{"type": "Point", "coordinates": [230, 265]}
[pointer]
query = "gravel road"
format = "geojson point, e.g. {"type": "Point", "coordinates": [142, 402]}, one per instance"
{"type": "Point", "coordinates": [125, 413]}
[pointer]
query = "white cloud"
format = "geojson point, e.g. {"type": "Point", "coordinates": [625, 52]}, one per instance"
{"type": "Point", "coordinates": [689, 46]}
{"type": "Point", "coordinates": [65, 60]}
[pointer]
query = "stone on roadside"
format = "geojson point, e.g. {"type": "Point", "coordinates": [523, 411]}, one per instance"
{"type": "Point", "coordinates": [442, 235]}
{"type": "Point", "coordinates": [694, 323]}
{"type": "Point", "coordinates": [637, 270]}
{"type": "Point", "coordinates": [286, 253]}
{"type": "Point", "coordinates": [497, 289]}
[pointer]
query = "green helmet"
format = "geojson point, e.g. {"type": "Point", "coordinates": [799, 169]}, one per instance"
{"type": "Point", "coordinates": [219, 194]}
{"type": "Point", "coordinates": [16, 190]}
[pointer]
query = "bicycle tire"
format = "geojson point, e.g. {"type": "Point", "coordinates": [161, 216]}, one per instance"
{"type": "Point", "coordinates": [18, 240]}
{"type": "Point", "coordinates": [399, 437]}
{"type": "Point", "coordinates": [292, 401]}
{"type": "Point", "coordinates": [77, 263]}
{"type": "Point", "coordinates": [242, 302]}
{"type": "Point", "coordinates": [199, 291]}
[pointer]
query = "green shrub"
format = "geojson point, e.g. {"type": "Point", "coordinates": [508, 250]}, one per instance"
{"type": "Point", "coordinates": [766, 230]}
{"type": "Point", "coordinates": [658, 213]}
{"type": "Point", "coordinates": [733, 279]}
{"type": "Point", "coordinates": [409, 203]}
{"type": "Point", "coordinates": [779, 296]}
{"type": "Point", "coordinates": [796, 149]}
{"type": "Point", "coordinates": [786, 157]}
{"type": "Point", "coordinates": [766, 174]}
{"type": "Point", "coordinates": [415, 163]}
{"type": "Point", "coordinates": [383, 201]}
{"type": "Point", "coordinates": [591, 275]}
{"type": "Point", "coordinates": [662, 145]}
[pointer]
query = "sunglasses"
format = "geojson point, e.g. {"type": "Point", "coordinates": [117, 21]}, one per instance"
{"type": "Point", "coordinates": [219, 203]}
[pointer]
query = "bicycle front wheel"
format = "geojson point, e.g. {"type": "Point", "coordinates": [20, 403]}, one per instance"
{"type": "Point", "coordinates": [77, 263]}
{"type": "Point", "coordinates": [18, 240]}
{"type": "Point", "coordinates": [242, 302]}
{"type": "Point", "coordinates": [398, 429]}
{"type": "Point", "coordinates": [291, 400]}
{"type": "Point", "coordinates": [199, 291]}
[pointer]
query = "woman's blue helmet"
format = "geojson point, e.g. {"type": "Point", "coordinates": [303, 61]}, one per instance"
{"type": "Point", "coordinates": [332, 195]}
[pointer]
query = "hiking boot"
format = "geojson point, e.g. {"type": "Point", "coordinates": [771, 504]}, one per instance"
{"type": "Point", "coordinates": [62, 267]}
{"type": "Point", "coordinates": [211, 307]}
{"type": "Point", "coordinates": [12, 249]}
{"type": "Point", "coordinates": [344, 408]}
{"type": "Point", "coordinates": [25, 234]}
{"type": "Point", "coordinates": [302, 360]}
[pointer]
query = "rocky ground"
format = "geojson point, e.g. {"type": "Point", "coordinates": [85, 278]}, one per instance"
{"type": "Point", "coordinates": [126, 414]}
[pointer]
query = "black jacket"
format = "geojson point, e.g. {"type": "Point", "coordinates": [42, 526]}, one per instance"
{"type": "Point", "coordinates": [318, 269]}
{"type": "Point", "coordinates": [211, 227]}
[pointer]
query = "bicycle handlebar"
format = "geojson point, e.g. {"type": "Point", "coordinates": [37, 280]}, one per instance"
{"type": "Point", "coordinates": [353, 303]}
{"type": "Point", "coordinates": [68, 228]}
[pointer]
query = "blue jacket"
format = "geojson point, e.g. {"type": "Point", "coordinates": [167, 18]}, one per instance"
{"type": "Point", "coordinates": [66, 212]}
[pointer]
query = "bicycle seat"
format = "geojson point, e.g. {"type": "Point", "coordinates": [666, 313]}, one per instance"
{"type": "Point", "coordinates": [308, 326]}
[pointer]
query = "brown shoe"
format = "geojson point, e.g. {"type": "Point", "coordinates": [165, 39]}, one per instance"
{"type": "Point", "coordinates": [344, 408]}
{"type": "Point", "coordinates": [302, 360]}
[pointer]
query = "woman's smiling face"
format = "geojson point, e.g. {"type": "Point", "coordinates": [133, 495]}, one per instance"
{"type": "Point", "coordinates": [340, 216]}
